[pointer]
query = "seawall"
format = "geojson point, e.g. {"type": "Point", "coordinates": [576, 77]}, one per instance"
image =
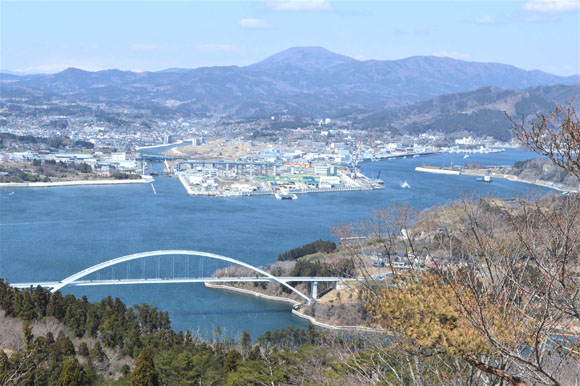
{"type": "Point", "coordinates": [294, 310]}
{"type": "Point", "coordinates": [337, 328]}
{"type": "Point", "coordinates": [143, 180]}
{"type": "Point", "coordinates": [437, 171]}
{"type": "Point", "coordinates": [249, 292]}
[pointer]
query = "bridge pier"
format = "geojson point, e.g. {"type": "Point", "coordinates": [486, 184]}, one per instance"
{"type": "Point", "coordinates": [314, 290]}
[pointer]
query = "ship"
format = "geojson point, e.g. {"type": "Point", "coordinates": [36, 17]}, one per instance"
{"type": "Point", "coordinates": [284, 194]}
{"type": "Point", "coordinates": [486, 178]}
{"type": "Point", "coordinates": [405, 185]}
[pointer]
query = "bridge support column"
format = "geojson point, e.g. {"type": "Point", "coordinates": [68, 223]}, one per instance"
{"type": "Point", "coordinates": [314, 290]}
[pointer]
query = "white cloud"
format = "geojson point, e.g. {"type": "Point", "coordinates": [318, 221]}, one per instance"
{"type": "Point", "coordinates": [299, 5]}
{"type": "Point", "coordinates": [451, 54]}
{"type": "Point", "coordinates": [484, 20]}
{"type": "Point", "coordinates": [218, 48]}
{"type": "Point", "coordinates": [552, 6]}
{"type": "Point", "coordinates": [253, 23]}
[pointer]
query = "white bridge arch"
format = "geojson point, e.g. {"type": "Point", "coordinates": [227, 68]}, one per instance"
{"type": "Point", "coordinates": [136, 256]}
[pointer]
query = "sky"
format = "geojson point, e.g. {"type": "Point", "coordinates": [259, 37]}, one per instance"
{"type": "Point", "coordinates": [47, 36]}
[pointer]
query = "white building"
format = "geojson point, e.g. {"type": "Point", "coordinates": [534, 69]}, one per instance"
{"type": "Point", "coordinates": [118, 156]}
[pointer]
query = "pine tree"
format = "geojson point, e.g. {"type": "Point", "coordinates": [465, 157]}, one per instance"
{"type": "Point", "coordinates": [246, 342]}
{"type": "Point", "coordinates": [144, 373]}
{"type": "Point", "coordinates": [97, 352]}
{"type": "Point", "coordinates": [72, 374]}
{"type": "Point", "coordinates": [28, 337]}
{"type": "Point", "coordinates": [83, 349]}
{"type": "Point", "coordinates": [233, 359]}
{"type": "Point", "coordinates": [64, 345]}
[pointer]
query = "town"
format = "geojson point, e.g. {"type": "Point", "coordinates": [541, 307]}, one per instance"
{"type": "Point", "coordinates": [210, 156]}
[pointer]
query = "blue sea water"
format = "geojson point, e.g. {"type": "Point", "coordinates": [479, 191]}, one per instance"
{"type": "Point", "coordinates": [48, 234]}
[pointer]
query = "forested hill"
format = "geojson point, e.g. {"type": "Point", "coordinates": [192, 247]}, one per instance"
{"type": "Point", "coordinates": [300, 80]}
{"type": "Point", "coordinates": [479, 112]}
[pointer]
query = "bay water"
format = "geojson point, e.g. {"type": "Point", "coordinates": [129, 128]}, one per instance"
{"type": "Point", "coordinates": [48, 234]}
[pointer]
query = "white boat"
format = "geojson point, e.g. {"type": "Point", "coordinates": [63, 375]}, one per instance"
{"type": "Point", "coordinates": [284, 194]}
{"type": "Point", "coordinates": [465, 156]}
{"type": "Point", "coordinates": [405, 185]}
{"type": "Point", "coordinates": [486, 178]}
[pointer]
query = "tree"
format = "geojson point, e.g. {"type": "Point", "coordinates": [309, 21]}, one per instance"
{"type": "Point", "coordinates": [555, 135]}
{"type": "Point", "coordinates": [504, 297]}
{"type": "Point", "coordinates": [97, 352]}
{"type": "Point", "coordinates": [83, 349]}
{"type": "Point", "coordinates": [233, 359]}
{"type": "Point", "coordinates": [246, 342]}
{"type": "Point", "coordinates": [144, 373]}
{"type": "Point", "coordinates": [64, 345]}
{"type": "Point", "coordinates": [72, 374]}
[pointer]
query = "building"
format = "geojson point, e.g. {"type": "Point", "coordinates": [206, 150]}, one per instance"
{"type": "Point", "coordinates": [118, 156]}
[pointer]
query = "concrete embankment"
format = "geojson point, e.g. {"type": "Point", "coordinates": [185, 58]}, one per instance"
{"type": "Point", "coordinates": [294, 310]}
{"type": "Point", "coordinates": [257, 294]}
{"type": "Point", "coordinates": [143, 180]}
{"type": "Point", "coordinates": [509, 177]}
{"type": "Point", "coordinates": [332, 327]}
{"type": "Point", "coordinates": [185, 184]}
{"type": "Point", "coordinates": [437, 171]}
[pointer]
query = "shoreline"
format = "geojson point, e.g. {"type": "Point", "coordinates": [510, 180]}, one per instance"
{"type": "Point", "coordinates": [333, 327]}
{"type": "Point", "coordinates": [508, 177]}
{"type": "Point", "coordinates": [250, 292]}
{"type": "Point", "coordinates": [8, 185]}
{"type": "Point", "coordinates": [294, 311]}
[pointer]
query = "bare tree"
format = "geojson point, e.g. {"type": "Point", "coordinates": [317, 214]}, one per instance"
{"type": "Point", "coordinates": [507, 301]}
{"type": "Point", "coordinates": [555, 135]}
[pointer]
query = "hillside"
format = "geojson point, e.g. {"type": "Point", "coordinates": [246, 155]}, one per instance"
{"type": "Point", "coordinates": [479, 112]}
{"type": "Point", "coordinates": [304, 80]}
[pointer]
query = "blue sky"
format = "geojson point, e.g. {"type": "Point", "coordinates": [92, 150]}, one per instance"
{"type": "Point", "coordinates": [49, 36]}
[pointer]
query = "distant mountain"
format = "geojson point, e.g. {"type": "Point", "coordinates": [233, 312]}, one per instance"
{"type": "Point", "coordinates": [308, 58]}
{"type": "Point", "coordinates": [304, 80]}
{"type": "Point", "coordinates": [175, 69]}
{"type": "Point", "coordinates": [479, 112]}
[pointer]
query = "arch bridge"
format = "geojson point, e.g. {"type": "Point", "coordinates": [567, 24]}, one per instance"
{"type": "Point", "coordinates": [75, 279]}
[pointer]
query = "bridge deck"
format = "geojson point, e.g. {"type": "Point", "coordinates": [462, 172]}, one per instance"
{"type": "Point", "coordinates": [180, 280]}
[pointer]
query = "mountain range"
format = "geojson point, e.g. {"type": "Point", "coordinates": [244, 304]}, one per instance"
{"type": "Point", "coordinates": [302, 80]}
{"type": "Point", "coordinates": [480, 112]}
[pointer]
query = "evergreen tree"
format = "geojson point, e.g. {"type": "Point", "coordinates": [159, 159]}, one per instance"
{"type": "Point", "coordinates": [40, 299]}
{"type": "Point", "coordinates": [125, 370]}
{"type": "Point", "coordinates": [233, 359]}
{"type": "Point", "coordinates": [83, 349]}
{"type": "Point", "coordinates": [72, 374]}
{"type": "Point", "coordinates": [56, 306]}
{"type": "Point", "coordinates": [246, 342]}
{"type": "Point", "coordinates": [25, 306]}
{"type": "Point", "coordinates": [97, 352]}
{"type": "Point", "coordinates": [64, 345]}
{"type": "Point", "coordinates": [144, 373]}
{"type": "Point", "coordinates": [28, 337]}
